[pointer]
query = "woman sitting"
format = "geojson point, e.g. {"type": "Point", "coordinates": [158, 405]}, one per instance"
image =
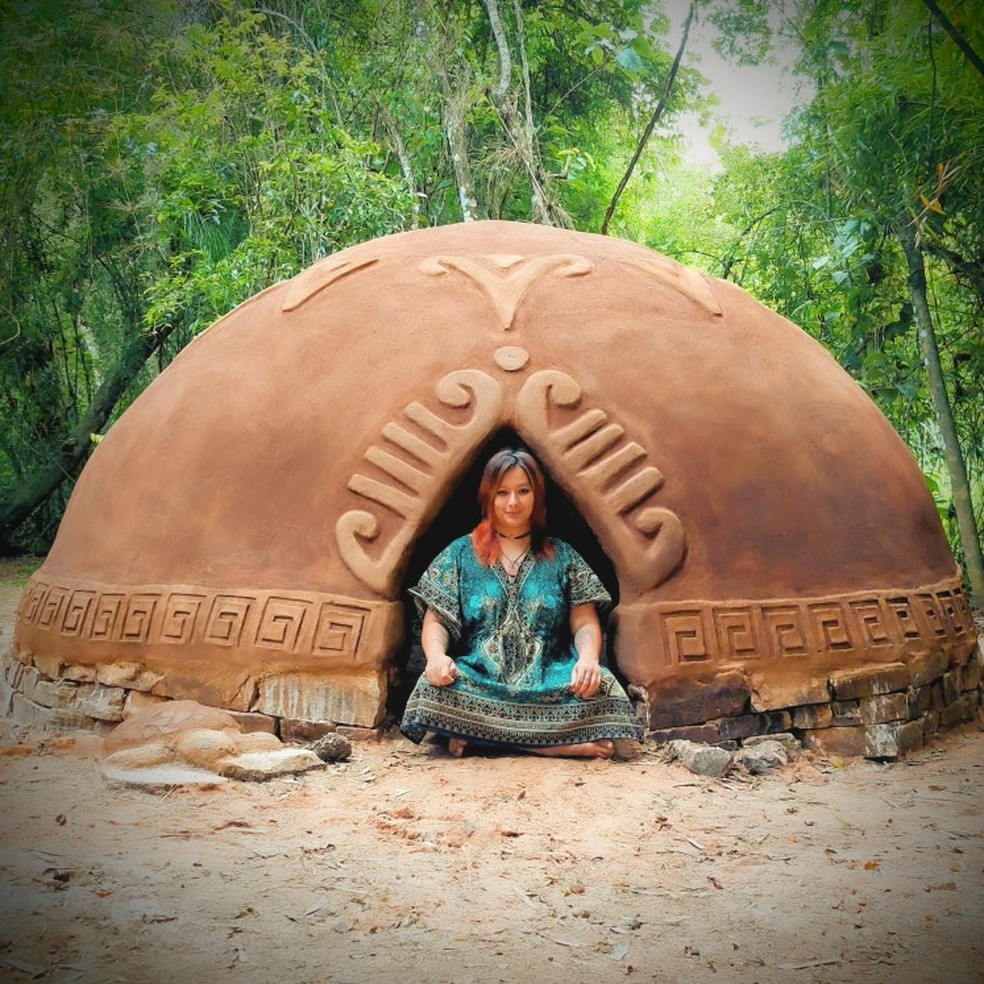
{"type": "Point", "coordinates": [511, 634]}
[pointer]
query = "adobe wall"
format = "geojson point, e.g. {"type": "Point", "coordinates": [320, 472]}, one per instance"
{"type": "Point", "coordinates": [241, 535]}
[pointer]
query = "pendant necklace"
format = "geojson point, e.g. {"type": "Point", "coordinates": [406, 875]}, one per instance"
{"type": "Point", "coordinates": [512, 565]}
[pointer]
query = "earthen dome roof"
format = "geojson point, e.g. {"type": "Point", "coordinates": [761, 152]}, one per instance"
{"type": "Point", "coordinates": [258, 504]}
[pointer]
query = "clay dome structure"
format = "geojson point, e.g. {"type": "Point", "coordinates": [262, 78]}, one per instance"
{"type": "Point", "coordinates": [245, 534]}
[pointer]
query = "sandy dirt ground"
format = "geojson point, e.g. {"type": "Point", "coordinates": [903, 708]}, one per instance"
{"type": "Point", "coordinates": [406, 864]}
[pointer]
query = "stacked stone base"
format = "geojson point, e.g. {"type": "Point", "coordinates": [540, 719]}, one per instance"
{"type": "Point", "coordinates": [881, 711]}
{"type": "Point", "coordinates": [877, 712]}
{"type": "Point", "coordinates": [53, 696]}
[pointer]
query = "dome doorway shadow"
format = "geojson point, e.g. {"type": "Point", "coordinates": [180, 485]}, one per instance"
{"type": "Point", "coordinates": [458, 516]}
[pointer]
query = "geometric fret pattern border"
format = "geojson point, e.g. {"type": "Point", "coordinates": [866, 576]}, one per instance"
{"type": "Point", "coordinates": [311, 624]}
{"type": "Point", "coordinates": [784, 629]}
{"type": "Point", "coordinates": [278, 622]}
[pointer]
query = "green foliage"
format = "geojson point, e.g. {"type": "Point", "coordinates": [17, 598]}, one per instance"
{"type": "Point", "coordinates": [164, 161]}
{"type": "Point", "coordinates": [893, 139]}
{"type": "Point", "coordinates": [158, 169]}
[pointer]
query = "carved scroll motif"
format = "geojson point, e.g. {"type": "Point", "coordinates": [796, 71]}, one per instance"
{"type": "Point", "coordinates": [313, 280]}
{"type": "Point", "coordinates": [508, 279]}
{"type": "Point", "coordinates": [685, 280]}
{"type": "Point", "coordinates": [412, 489]}
{"type": "Point", "coordinates": [594, 455]}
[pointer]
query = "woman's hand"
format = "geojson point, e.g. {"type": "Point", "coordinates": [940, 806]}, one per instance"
{"type": "Point", "coordinates": [586, 629]}
{"type": "Point", "coordinates": [586, 677]}
{"type": "Point", "coordinates": [440, 671]}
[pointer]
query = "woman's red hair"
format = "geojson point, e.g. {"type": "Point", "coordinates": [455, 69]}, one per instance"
{"type": "Point", "coordinates": [484, 540]}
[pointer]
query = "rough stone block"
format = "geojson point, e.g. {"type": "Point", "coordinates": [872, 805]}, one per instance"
{"type": "Point", "coordinates": [971, 677]}
{"type": "Point", "coordinates": [920, 701]}
{"type": "Point", "coordinates": [129, 674]}
{"type": "Point", "coordinates": [137, 701]}
{"type": "Point", "coordinates": [770, 694]}
{"type": "Point", "coordinates": [911, 736]}
{"type": "Point", "coordinates": [846, 713]}
{"type": "Point", "coordinates": [969, 702]}
{"type": "Point", "coordinates": [32, 715]}
{"type": "Point", "coordinates": [788, 741]}
{"type": "Point", "coordinates": [687, 701]}
{"type": "Point", "coordinates": [162, 721]}
{"type": "Point", "coordinates": [141, 757]}
{"type": "Point", "coordinates": [302, 732]}
{"type": "Point", "coordinates": [931, 723]}
{"type": "Point", "coordinates": [104, 703]}
{"type": "Point", "coordinates": [870, 680]}
{"type": "Point", "coordinates": [356, 699]}
{"type": "Point", "coordinates": [760, 759]}
{"type": "Point", "coordinates": [951, 686]}
{"type": "Point", "coordinates": [706, 734]}
{"type": "Point", "coordinates": [47, 693]}
{"type": "Point", "coordinates": [13, 670]}
{"type": "Point", "coordinates": [6, 697]}
{"type": "Point", "coordinates": [204, 747]}
{"type": "Point", "coordinates": [80, 674]}
{"type": "Point", "coordinates": [874, 741]}
{"type": "Point", "coordinates": [952, 715]}
{"type": "Point", "coordinates": [360, 734]}
{"type": "Point", "coordinates": [742, 726]}
{"type": "Point", "coordinates": [50, 666]}
{"type": "Point", "coordinates": [884, 707]}
{"type": "Point", "coordinates": [924, 668]}
{"type": "Point", "coordinates": [848, 742]}
{"type": "Point", "coordinates": [811, 716]}
{"type": "Point", "coordinates": [892, 740]}
{"type": "Point", "coordinates": [213, 685]}
{"type": "Point", "coordinates": [938, 703]}
{"type": "Point", "coordinates": [702, 760]}
{"type": "Point", "coordinates": [252, 723]}
{"type": "Point", "coordinates": [259, 766]}
{"type": "Point", "coordinates": [746, 725]}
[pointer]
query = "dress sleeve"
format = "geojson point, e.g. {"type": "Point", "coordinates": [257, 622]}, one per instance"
{"type": "Point", "coordinates": [583, 585]}
{"type": "Point", "coordinates": [437, 590]}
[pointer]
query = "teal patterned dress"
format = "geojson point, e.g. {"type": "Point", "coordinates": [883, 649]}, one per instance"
{"type": "Point", "coordinates": [511, 642]}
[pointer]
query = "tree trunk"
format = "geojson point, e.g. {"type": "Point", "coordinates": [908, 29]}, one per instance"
{"type": "Point", "coordinates": [519, 128]}
{"type": "Point", "coordinates": [653, 120]}
{"type": "Point", "coordinates": [455, 96]}
{"type": "Point", "coordinates": [969, 538]}
{"type": "Point", "coordinates": [40, 485]}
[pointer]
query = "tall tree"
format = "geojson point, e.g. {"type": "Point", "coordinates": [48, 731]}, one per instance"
{"type": "Point", "coordinates": [892, 145]}
{"type": "Point", "coordinates": [158, 173]}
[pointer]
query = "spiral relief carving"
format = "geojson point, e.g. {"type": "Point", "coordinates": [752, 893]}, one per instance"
{"type": "Point", "coordinates": [438, 449]}
{"type": "Point", "coordinates": [594, 454]}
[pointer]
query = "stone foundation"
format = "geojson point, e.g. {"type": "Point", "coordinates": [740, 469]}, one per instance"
{"type": "Point", "coordinates": [52, 695]}
{"type": "Point", "coordinates": [878, 712]}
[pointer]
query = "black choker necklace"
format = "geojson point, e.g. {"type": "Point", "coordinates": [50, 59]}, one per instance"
{"type": "Point", "coordinates": [522, 536]}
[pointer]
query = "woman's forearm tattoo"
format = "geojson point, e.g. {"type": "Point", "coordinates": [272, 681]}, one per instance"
{"type": "Point", "coordinates": [585, 640]}
{"type": "Point", "coordinates": [438, 634]}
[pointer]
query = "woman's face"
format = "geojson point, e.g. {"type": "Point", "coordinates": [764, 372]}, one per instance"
{"type": "Point", "coordinates": [512, 503]}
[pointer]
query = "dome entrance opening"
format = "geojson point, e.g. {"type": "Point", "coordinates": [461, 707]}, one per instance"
{"type": "Point", "coordinates": [458, 516]}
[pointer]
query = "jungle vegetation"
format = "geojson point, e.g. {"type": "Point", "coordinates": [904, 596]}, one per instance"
{"type": "Point", "coordinates": [162, 160]}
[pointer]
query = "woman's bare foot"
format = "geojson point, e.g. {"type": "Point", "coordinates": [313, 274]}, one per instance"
{"type": "Point", "coordinates": [603, 749]}
{"type": "Point", "coordinates": [457, 746]}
